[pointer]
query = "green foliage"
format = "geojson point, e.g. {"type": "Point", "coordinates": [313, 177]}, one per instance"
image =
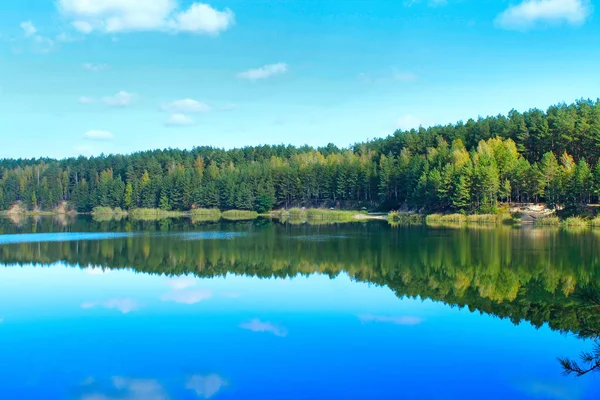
{"type": "Point", "coordinates": [99, 210]}
{"type": "Point", "coordinates": [575, 221]}
{"type": "Point", "coordinates": [213, 212]}
{"type": "Point", "coordinates": [264, 203]}
{"type": "Point", "coordinates": [398, 218]}
{"type": "Point", "coordinates": [239, 215]}
{"type": "Point", "coordinates": [151, 214]}
{"type": "Point", "coordinates": [547, 221]}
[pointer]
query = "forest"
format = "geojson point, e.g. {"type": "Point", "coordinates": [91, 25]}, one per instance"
{"type": "Point", "coordinates": [469, 167]}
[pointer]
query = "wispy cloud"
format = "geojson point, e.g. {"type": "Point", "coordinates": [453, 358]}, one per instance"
{"type": "Point", "coordinates": [38, 43]}
{"type": "Point", "coordinates": [95, 67]}
{"type": "Point", "coordinates": [206, 386]}
{"type": "Point", "coordinates": [98, 135]}
{"type": "Point", "coordinates": [187, 296]}
{"type": "Point", "coordinates": [121, 99]}
{"type": "Point", "coordinates": [66, 38]}
{"type": "Point", "coordinates": [551, 390]}
{"type": "Point", "coordinates": [28, 28]}
{"type": "Point", "coordinates": [125, 389]}
{"type": "Point", "coordinates": [185, 106]}
{"type": "Point", "coordinates": [257, 325]}
{"type": "Point", "coordinates": [264, 72]}
{"type": "Point", "coordinates": [125, 306]}
{"type": "Point", "coordinates": [86, 100]}
{"type": "Point", "coordinates": [532, 13]}
{"type": "Point", "coordinates": [179, 120]}
{"type": "Point", "coordinates": [110, 16]}
{"type": "Point", "coordinates": [181, 282]}
{"type": "Point", "coordinates": [401, 320]}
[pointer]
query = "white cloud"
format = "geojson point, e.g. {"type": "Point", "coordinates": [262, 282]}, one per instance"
{"type": "Point", "coordinates": [85, 100]}
{"type": "Point", "coordinates": [128, 389]}
{"type": "Point", "coordinates": [264, 72]}
{"type": "Point", "coordinates": [121, 99]}
{"type": "Point", "coordinates": [185, 106]}
{"type": "Point", "coordinates": [179, 120]}
{"type": "Point", "coordinates": [83, 26]}
{"type": "Point", "coordinates": [407, 122]}
{"type": "Point", "coordinates": [95, 67]}
{"type": "Point", "coordinates": [531, 13]}
{"type": "Point", "coordinates": [257, 325]}
{"type": "Point", "coordinates": [113, 16]}
{"type": "Point", "coordinates": [187, 296]}
{"type": "Point", "coordinates": [202, 18]}
{"type": "Point", "coordinates": [28, 28]}
{"type": "Point", "coordinates": [403, 320]}
{"type": "Point", "coordinates": [123, 305]}
{"type": "Point", "coordinates": [65, 38]}
{"type": "Point", "coordinates": [98, 135]}
{"type": "Point", "coordinates": [206, 386]}
{"type": "Point", "coordinates": [551, 390]}
{"type": "Point", "coordinates": [181, 282]}
{"type": "Point", "coordinates": [39, 44]}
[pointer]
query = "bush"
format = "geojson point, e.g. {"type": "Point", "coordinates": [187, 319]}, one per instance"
{"type": "Point", "coordinates": [108, 211]}
{"type": "Point", "coordinates": [264, 203]}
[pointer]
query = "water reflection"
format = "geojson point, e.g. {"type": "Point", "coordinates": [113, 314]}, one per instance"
{"type": "Point", "coordinates": [175, 286]}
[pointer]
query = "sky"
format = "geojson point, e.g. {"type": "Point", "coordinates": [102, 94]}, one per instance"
{"type": "Point", "coordinates": [86, 77]}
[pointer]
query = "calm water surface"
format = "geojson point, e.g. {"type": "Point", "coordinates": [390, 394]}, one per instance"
{"type": "Point", "coordinates": [258, 310]}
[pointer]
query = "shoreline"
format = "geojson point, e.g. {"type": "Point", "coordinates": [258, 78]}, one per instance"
{"type": "Point", "coordinates": [517, 216]}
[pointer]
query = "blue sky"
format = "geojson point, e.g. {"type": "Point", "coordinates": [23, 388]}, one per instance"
{"type": "Point", "coordinates": [117, 76]}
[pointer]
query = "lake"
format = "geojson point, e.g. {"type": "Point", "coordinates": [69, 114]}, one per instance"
{"type": "Point", "coordinates": [259, 310]}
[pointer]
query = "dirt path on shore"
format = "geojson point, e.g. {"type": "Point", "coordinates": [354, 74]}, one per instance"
{"type": "Point", "coordinates": [530, 212]}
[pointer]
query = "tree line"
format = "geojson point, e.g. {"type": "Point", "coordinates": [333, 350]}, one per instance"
{"type": "Point", "coordinates": [549, 156]}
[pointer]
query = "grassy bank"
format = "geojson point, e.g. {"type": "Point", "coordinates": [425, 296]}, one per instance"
{"type": "Point", "coordinates": [239, 215]}
{"type": "Point", "coordinates": [571, 222]}
{"type": "Point", "coordinates": [319, 216]}
{"type": "Point", "coordinates": [205, 215]}
{"type": "Point", "coordinates": [108, 211]}
{"type": "Point", "coordinates": [151, 214]}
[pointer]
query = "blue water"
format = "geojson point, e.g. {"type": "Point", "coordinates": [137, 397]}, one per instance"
{"type": "Point", "coordinates": [82, 334]}
{"type": "Point", "coordinates": [98, 333]}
